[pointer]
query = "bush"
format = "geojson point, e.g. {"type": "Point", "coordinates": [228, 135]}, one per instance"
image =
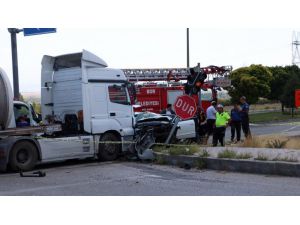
{"type": "Point", "coordinates": [183, 150]}
{"type": "Point", "coordinates": [245, 155]}
{"type": "Point", "coordinates": [277, 143]}
{"type": "Point", "coordinates": [204, 153]}
{"type": "Point", "coordinates": [227, 154]}
{"type": "Point", "coordinates": [200, 164]}
{"type": "Point", "coordinates": [253, 142]}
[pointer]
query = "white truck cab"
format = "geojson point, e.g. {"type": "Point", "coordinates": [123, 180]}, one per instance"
{"type": "Point", "coordinates": [86, 113]}
{"type": "Point", "coordinates": [80, 85]}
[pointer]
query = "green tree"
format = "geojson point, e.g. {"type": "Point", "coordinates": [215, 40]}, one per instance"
{"type": "Point", "coordinates": [36, 107]}
{"type": "Point", "coordinates": [252, 82]}
{"type": "Point", "coordinates": [288, 94]}
{"type": "Point", "coordinates": [280, 77]}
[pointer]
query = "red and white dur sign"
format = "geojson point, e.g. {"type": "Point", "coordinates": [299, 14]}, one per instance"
{"type": "Point", "coordinates": [185, 107]}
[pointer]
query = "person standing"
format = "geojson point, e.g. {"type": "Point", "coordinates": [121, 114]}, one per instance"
{"type": "Point", "coordinates": [245, 117]}
{"type": "Point", "coordinates": [202, 126]}
{"type": "Point", "coordinates": [210, 119]}
{"type": "Point", "coordinates": [236, 123]}
{"type": "Point", "coordinates": [168, 110]}
{"type": "Point", "coordinates": [222, 121]}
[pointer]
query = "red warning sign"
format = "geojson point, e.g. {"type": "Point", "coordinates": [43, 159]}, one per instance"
{"type": "Point", "coordinates": [297, 98]}
{"type": "Point", "coordinates": [185, 107]}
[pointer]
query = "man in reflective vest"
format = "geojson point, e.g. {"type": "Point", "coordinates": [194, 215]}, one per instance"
{"type": "Point", "coordinates": [222, 121]}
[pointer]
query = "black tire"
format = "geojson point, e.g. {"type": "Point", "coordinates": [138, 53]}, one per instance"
{"type": "Point", "coordinates": [109, 151]}
{"type": "Point", "coordinates": [23, 156]}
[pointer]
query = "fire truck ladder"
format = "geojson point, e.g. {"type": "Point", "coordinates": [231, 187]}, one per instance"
{"type": "Point", "coordinates": [135, 75]}
{"type": "Point", "coordinates": [167, 74]}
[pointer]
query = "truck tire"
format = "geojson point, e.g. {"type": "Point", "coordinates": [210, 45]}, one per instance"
{"type": "Point", "coordinates": [109, 151]}
{"type": "Point", "coordinates": [23, 156]}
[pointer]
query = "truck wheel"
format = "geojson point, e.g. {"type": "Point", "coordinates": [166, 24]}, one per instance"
{"type": "Point", "coordinates": [23, 156]}
{"type": "Point", "coordinates": [109, 151]}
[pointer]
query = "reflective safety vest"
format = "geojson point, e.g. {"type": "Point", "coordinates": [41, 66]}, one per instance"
{"type": "Point", "coordinates": [222, 119]}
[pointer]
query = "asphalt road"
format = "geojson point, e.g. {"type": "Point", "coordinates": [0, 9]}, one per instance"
{"type": "Point", "coordinates": [270, 128]}
{"type": "Point", "coordinates": [137, 179]}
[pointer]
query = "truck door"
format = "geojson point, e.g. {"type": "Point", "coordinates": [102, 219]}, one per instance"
{"type": "Point", "coordinates": [119, 107]}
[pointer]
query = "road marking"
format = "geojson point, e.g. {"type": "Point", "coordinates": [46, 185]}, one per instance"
{"type": "Point", "coordinates": [255, 124]}
{"type": "Point", "coordinates": [154, 176]}
{"type": "Point", "coordinates": [287, 130]}
{"type": "Point", "coordinates": [275, 124]}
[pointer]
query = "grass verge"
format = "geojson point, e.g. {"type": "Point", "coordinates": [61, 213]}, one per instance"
{"type": "Point", "coordinates": [177, 149]}
{"type": "Point", "coordinates": [271, 117]}
{"type": "Point", "coordinates": [229, 154]}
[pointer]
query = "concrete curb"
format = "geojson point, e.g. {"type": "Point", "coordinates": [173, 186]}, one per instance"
{"type": "Point", "coordinates": [233, 165]}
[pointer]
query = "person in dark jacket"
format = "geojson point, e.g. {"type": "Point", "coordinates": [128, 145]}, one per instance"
{"type": "Point", "coordinates": [202, 126]}
{"type": "Point", "coordinates": [245, 117]}
{"type": "Point", "coordinates": [236, 123]}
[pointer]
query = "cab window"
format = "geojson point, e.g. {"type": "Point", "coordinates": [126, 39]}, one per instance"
{"type": "Point", "coordinates": [22, 115]}
{"type": "Point", "coordinates": [118, 94]}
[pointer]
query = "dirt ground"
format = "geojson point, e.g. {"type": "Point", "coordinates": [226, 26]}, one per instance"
{"type": "Point", "coordinates": [272, 141]}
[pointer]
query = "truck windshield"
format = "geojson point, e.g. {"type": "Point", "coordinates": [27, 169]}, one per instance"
{"type": "Point", "coordinates": [118, 94]}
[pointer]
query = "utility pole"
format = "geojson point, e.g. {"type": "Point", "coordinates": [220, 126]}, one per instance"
{"type": "Point", "coordinates": [295, 49]}
{"type": "Point", "coordinates": [14, 52]}
{"type": "Point", "coordinates": [188, 47]}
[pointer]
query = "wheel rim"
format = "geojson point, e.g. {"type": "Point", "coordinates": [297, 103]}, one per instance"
{"type": "Point", "coordinates": [22, 156]}
{"type": "Point", "coordinates": [110, 149]}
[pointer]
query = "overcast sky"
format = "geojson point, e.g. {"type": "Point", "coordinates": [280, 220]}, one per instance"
{"type": "Point", "coordinates": [149, 48]}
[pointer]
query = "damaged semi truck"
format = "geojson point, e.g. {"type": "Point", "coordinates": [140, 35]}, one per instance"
{"type": "Point", "coordinates": [86, 113]}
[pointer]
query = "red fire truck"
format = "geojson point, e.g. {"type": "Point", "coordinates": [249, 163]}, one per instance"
{"type": "Point", "coordinates": [155, 88]}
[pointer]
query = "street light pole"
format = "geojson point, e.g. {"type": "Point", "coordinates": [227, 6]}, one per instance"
{"type": "Point", "coordinates": [13, 32]}
{"type": "Point", "coordinates": [188, 47]}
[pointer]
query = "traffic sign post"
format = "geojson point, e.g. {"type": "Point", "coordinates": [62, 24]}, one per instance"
{"type": "Point", "coordinates": [185, 107]}
{"type": "Point", "coordinates": [14, 53]}
{"type": "Point", "coordinates": [174, 127]}
{"type": "Point", "coordinates": [27, 32]}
